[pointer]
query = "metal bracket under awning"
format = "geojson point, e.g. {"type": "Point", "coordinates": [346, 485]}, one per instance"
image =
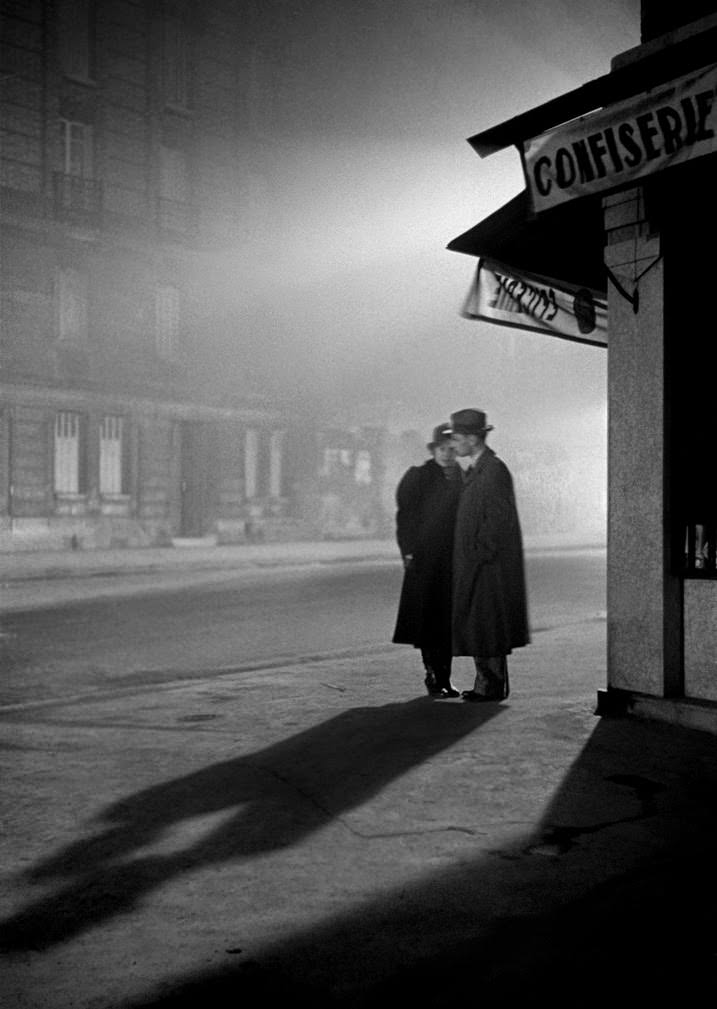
{"type": "Point", "coordinates": [634, 298]}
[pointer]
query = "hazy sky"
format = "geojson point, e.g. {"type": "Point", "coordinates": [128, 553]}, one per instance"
{"type": "Point", "coordinates": [357, 175]}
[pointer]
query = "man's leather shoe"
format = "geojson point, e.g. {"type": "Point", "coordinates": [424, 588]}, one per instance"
{"type": "Point", "coordinates": [448, 691]}
{"type": "Point", "coordinates": [431, 685]}
{"type": "Point", "coordinates": [471, 695]}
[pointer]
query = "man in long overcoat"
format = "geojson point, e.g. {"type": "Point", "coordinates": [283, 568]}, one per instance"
{"type": "Point", "coordinates": [426, 499]}
{"type": "Point", "coordinates": [490, 613]}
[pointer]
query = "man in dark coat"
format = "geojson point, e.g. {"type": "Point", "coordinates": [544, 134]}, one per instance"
{"type": "Point", "coordinates": [426, 500]}
{"type": "Point", "coordinates": [490, 613]}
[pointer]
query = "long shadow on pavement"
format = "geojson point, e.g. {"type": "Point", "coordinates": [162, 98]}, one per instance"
{"type": "Point", "coordinates": [281, 794]}
{"type": "Point", "coordinates": [609, 901]}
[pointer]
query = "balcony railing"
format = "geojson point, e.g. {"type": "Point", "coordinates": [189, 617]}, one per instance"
{"type": "Point", "coordinates": [700, 553]}
{"type": "Point", "coordinates": [77, 199]}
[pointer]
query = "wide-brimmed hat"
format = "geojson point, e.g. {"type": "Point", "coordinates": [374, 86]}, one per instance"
{"type": "Point", "coordinates": [469, 422]}
{"type": "Point", "coordinates": [440, 434]}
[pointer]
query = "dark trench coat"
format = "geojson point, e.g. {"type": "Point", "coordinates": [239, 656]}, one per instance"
{"type": "Point", "coordinates": [490, 613]}
{"type": "Point", "coordinates": [426, 497]}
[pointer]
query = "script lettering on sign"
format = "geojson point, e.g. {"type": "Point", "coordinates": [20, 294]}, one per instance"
{"type": "Point", "coordinates": [668, 125]}
{"type": "Point", "coordinates": [513, 295]}
{"type": "Point", "coordinates": [510, 297]}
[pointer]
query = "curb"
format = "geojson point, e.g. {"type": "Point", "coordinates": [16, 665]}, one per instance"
{"type": "Point", "coordinates": [133, 562]}
{"type": "Point", "coordinates": [149, 569]}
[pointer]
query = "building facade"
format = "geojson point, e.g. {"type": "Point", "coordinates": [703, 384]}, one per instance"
{"type": "Point", "coordinates": [620, 176]}
{"type": "Point", "coordinates": [120, 138]}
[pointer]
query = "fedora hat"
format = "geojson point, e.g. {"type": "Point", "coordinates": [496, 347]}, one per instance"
{"type": "Point", "coordinates": [440, 434]}
{"type": "Point", "coordinates": [469, 422]}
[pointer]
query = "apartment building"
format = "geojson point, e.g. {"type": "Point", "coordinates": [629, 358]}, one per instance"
{"type": "Point", "coordinates": [119, 136]}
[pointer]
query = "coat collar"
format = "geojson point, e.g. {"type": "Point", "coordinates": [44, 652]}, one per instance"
{"type": "Point", "coordinates": [472, 471]}
{"type": "Point", "coordinates": [450, 474]}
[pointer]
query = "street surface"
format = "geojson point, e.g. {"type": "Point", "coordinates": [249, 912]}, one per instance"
{"type": "Point", "coordinates": [234, 791]}
{"type": "Point", "coordinates": [202, 627]}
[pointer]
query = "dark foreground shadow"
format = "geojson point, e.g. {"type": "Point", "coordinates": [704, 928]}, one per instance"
{"type": "Point", "coordinates": [611, 901]}
{"type": "Point", "coordinates": [278, 795]}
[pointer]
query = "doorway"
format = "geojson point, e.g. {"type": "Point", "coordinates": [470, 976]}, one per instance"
{"type": "Point", "coordinates": [198, 477]}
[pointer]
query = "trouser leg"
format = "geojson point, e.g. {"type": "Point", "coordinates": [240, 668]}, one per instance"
{"type": "Point", "coordinates": [430, 665]}
{"type": "Point", "coordinates": [437, 663]}
{"type": "Point", "coordinates": [492, 676]}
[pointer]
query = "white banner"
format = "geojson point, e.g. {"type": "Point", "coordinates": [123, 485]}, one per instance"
{"type": "Point", "coordinates": [666, 126]}
{"type": "Point", "coordinates": [511, 297]}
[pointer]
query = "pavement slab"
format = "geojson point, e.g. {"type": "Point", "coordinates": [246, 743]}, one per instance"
{"type": "Point", "coordinates": [324, 834]}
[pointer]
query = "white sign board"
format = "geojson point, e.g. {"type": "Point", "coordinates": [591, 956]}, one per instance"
{"type": "Point", "coordinates": [511, 297]}
{"type": "Point", "coordinates": [668, 125]}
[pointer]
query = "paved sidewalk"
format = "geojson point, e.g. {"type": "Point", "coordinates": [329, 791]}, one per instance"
{"type": "Point", "coordinates": [325, 835]}
{"type": "Point", "coordinates": [68, 563]}
{"type": "Point", "coordinates": [27, 564]}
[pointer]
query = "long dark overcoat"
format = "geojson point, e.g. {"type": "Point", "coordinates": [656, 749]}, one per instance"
{"type": "Point", "coordinates": [490, 612]}
{"type": "Point", "coordinates": [426, 499]}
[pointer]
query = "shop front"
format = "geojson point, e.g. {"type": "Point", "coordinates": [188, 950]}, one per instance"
{"type": "Point", "coordinates": [610, 244]}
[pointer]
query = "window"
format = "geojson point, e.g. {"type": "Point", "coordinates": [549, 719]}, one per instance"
{"type": "Point", "coordinates": [167, 322]}
{"type": "Point", "coordinates": [76, 149]}
{"type": "Point", "coordinates": [77, 194]}
{"type": "Point", "coordinates": [112, 454]}
{"type": "Point", "coordinates": [329, 462]}
{"type": "Point", "coordinates": [69, 453]}
{"type": "Point", "coordinates": [75, 31]}
{"type": "Point", "coordinates": [251, 464]}
{"type": "Point", "coordinates": [362, 472]}
{"type": "Point", "coordinates": [690, 367]}
{"type": "Point", "coordinates": [72, 306]}
{"type": "Point", "coordinates": [175, 62]}
{"type": "Point", "coordinates": [276, 460]}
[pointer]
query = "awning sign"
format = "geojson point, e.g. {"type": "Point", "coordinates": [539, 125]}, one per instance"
{"type": "Point", "coordinates": [511, 297]}
{"type": "Point", "coordinates": [666, 126]}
